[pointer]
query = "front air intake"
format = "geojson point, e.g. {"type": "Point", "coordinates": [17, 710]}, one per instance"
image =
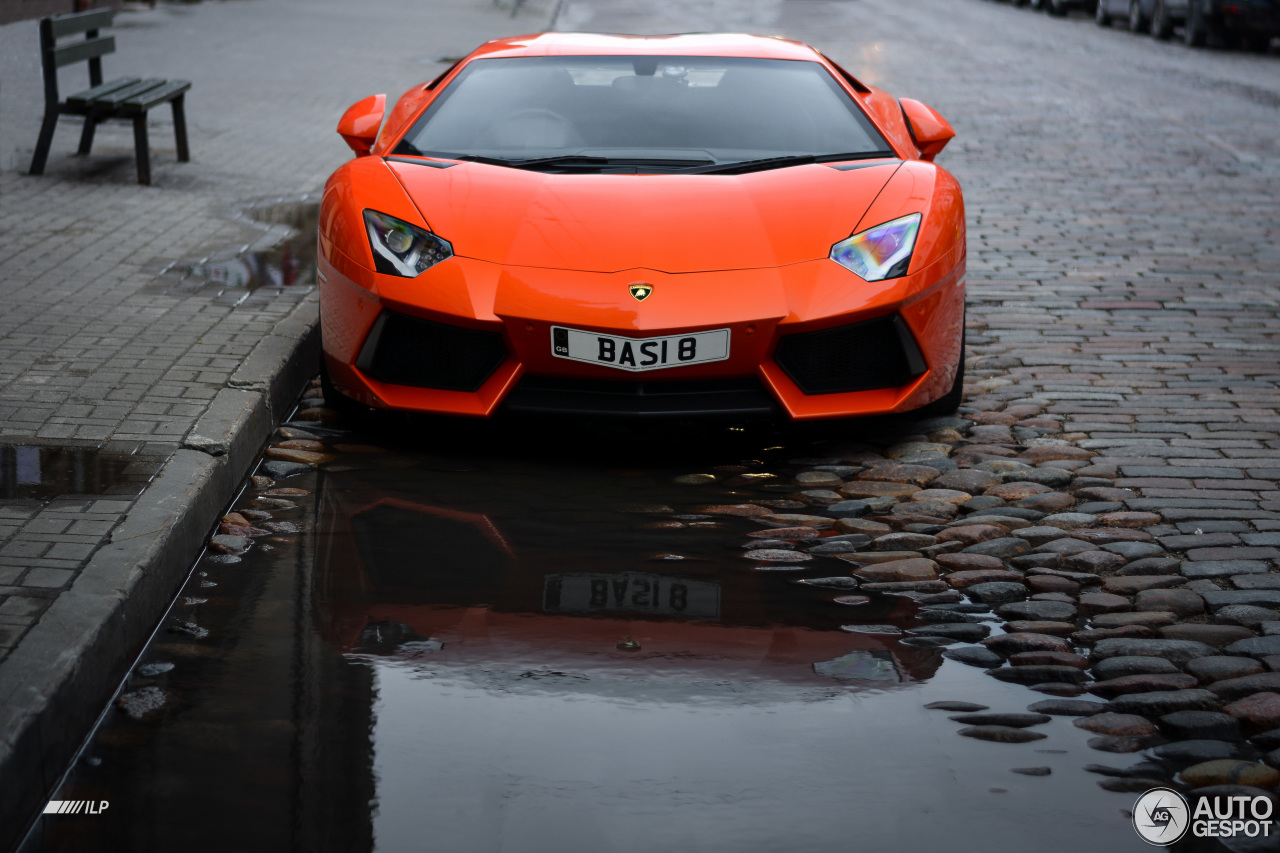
{"type": "Point", "coordinates": [404, 350]}
{"type": "Point", "coordinates": [878, 353]}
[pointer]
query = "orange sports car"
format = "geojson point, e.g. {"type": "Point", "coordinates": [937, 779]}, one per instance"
{"type": "Point", "coordinates": [679, 225]}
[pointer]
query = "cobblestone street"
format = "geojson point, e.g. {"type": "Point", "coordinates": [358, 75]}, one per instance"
{"type": "Point", "coordinates": [1123, 201]}
{"type": "Point", "coordinates": [1124, 207]}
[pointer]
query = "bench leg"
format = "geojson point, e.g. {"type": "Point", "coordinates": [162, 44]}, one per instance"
{"type": "Point", "coordinates": [141, 148]}
{"type": "Point", "coordinates": [45, 140]}
{"type": "Point", "coordinates": [180, 129]}
{"type": "Point", "coordinates": [86, 135]}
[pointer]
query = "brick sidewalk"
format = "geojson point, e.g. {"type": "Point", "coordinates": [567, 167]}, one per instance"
{"type": "Point", "coordinates": [96, 353]}
{"type": "Point", "coordinates": [89, 357]}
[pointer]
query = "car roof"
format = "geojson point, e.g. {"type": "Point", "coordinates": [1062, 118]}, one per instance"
{"type": "Point", "coordinates": [698, 44]}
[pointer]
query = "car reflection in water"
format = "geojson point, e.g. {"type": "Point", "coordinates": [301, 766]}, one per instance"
{"type": "Point", "coordinates": [397, 577]}
{"type": "Point", "coordinates": [439, 657]}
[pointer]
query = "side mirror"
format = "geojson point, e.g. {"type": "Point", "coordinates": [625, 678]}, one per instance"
{"type": "Point", "coordinates": [359, 124]}
{"type": "Point", "coordinates": [930, 131]}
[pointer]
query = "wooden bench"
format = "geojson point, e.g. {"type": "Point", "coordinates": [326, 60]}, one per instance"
{"type": "Point", "coordinates": [126, 98]}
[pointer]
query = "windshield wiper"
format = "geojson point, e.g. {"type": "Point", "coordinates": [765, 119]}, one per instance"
{"type": "Point", "coordinates": [562, 160]}
{"type": "Point", "coordinates": [743, 166]}
{"type": "Point", "coordinates": [585, 162]}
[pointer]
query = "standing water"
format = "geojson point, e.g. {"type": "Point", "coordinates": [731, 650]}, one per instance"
{"type": "Point", "coordinates": [452, 639]}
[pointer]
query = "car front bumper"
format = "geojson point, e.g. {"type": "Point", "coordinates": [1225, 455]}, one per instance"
{"type": "Point", "coordinates": [807, 340]}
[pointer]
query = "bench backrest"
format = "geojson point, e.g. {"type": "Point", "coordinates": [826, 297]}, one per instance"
{"type": "Point", "coordinates": [92, 48]}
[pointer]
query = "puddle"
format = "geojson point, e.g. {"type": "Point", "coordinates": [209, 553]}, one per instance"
{"type": "Point", "coordinates": [37, 472]}
{"type": "Point", "coordinates": [551, 647]}
{"type": "Point", "coordinates": [236, 275]}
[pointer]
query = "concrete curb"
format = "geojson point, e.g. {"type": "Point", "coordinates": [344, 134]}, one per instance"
{"type": "Point", "coordinates": [57, 681]}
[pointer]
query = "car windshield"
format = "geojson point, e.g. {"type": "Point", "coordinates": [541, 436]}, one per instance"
{"type": "Point", "coordinates": [660, 113]}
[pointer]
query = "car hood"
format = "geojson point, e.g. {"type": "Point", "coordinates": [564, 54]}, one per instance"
{"type": "Point", "coordinates": [669, 223]}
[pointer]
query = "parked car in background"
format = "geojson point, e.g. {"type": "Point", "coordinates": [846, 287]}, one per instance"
{"type": "Point", "coordinates": [1138, 15]}
{"type": "Point", "coordinates": [1165, 15]}
{"type": "Point", "coordinates": [1157, 17]}
{"type": "Point", "coordinates": [1250, 24]}
{"type": "Point", "coordinates": [1061, 7]}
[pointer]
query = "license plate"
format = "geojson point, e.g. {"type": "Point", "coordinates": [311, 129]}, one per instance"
{"type": "Point", "coordinates": [633, 592]}
{"type": "Point", "coordinates": [640, 353]}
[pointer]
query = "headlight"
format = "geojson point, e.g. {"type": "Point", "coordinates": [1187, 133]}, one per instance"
{"type": "Point", "coordinates": [403, 249]}
{"type": "Point", "coordinates": [881, 252]}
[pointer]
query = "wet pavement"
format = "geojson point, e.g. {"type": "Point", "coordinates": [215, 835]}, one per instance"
{"type": "Point", "coordinates": [231, 277]}
{"type": "Point", "coordinates": [542, 642]}
{"type": "Point", "coordinates": [40, 473]}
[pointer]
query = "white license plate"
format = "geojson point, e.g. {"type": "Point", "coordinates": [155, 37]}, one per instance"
{"type": "Point", "coordinates": [640, 353]}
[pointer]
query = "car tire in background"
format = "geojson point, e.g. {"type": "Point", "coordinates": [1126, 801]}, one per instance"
{"type": "Point", "coordinates": [1036, 5]}
{"type": "Point", "coordinates": [1057, 8]}
{"type": "Point", "coordinates": [1196, 29]}
{"type": "Point", "coordinates": [1100, 15]}
{"type": "Point", "coordinates": [1256, 42]}
{"type": "Point", "coordinates": [1138, 22]}
{"type": "Point", "coordinates": [1161, 23]}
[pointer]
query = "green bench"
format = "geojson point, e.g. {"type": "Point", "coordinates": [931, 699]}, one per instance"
{"type": "Point", "coordinates": [126, 98]}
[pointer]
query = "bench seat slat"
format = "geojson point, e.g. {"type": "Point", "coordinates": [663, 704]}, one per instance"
{"type": "Point", "coordinates": [78, 51]}
{"type": "Point", "coordinates": [65, 25]}
{"type": "Point", "coordinates": [145, 101]}
{"type": "Point", "coordinates": [81, 99]}
{"type": "Point", "coordinates": [113, 100]}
